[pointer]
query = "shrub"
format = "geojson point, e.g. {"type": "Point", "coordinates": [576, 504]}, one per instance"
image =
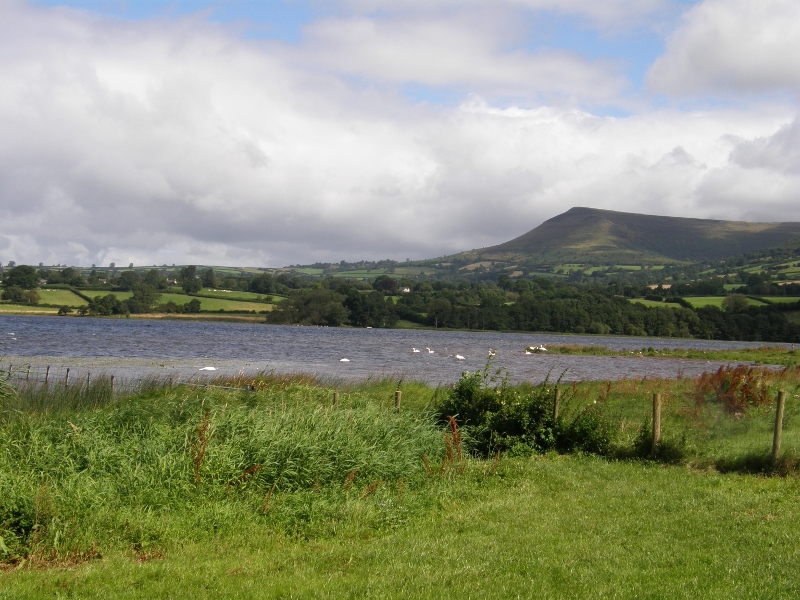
{"type": "Point", "coordinates": [495, 416]}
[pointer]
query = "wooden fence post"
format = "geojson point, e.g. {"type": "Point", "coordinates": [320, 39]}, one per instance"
{"type": "Point", "coordinates": [112, 384]}
{"type": "Point", "coordinates": [776, 438]}
{"type": "Point", "coordinates": [398, 395]}
{"type": "Point", "coordinates": [336, 398]}
{"type": "Point", "coordinates": [556, 402]}
{"type": "Point", "coordinates": [28, 374]}
{"type": "Point", "coordinates": [656, 422]}
{"type": "Point", "coordinates": [88, 374]}
{"type": "Point", "coordinates": [66, 378]}
{"type": "Point", "coordinates": [47, 374]}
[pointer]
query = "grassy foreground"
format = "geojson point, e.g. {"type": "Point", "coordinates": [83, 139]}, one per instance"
{"type": "Point", "coordinates": [270, 490]}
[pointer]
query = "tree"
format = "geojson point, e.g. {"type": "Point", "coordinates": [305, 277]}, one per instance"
{"type": "Point", "coordinates": [144, 298]}
{"type": "Point", "coordinates": [311, 307]}
{"type": "Point", "coordinates": [209, 279]}
{"type": "Point", "coordinates": [189, 281]}
{"type": "Point", "coordinates": [192, 306]}
{"type": "Point", "coordinates": [23, 276]}
{"type": "Point", "coordinates": [384, 283]}
{"type": "Point", "coordinates": [156, 279]}
{"type": "Point", "coordinates": [262, 284]}
{"type": "Point", "coordinates": [735, 303]}
{"type": "Point", "coordinates": [19, 295]}
{"type": "Point", "coordinates": [127, 280]}
{"type": "Point", "coordinates": [439, 310]}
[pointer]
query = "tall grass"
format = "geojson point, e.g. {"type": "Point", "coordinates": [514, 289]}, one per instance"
{"type": "Point", "coordinates": [84, 470]}
{"type": "Point", "coordinates": [78, 473]}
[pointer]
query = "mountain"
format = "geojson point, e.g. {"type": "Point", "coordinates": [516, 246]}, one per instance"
{"type": "Point", "coordinates": [608, 237]}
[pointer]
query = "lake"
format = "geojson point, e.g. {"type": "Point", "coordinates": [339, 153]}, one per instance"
{"type": "Point", "coordinates": [132, 348]}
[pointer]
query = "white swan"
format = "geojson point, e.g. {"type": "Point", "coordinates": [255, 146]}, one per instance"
{"type": "Point", "coordinates": [415, 350]}
{"type": "Point", "coordinates": [344, 360]}
{"type": "Point", "coordinates": [429, 350]}
{"type": "Point", "coordinates": [207, 369]}
{"type": "Point", "coordinates": [459, 357]}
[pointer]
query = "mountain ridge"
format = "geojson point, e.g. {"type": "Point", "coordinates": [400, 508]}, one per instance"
{"type": "Point", "coordinates": [584, 234]}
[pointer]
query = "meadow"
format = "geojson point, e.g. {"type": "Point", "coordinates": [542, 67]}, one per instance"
{"type": "Point", "coordinates": [262, 486]}
{"type": "Point", "coordinates": [57, 297]}
{"type": "Point", "coordinates": [206, 303]}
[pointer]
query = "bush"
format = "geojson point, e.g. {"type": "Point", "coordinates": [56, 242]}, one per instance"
{"type": "Point", "coordinates": [19, 295]}
{"type": "Point", "coordinates": [495, 416]}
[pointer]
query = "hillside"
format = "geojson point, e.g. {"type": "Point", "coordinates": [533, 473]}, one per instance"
{"type": "Point", "coordinates": [607, 237]}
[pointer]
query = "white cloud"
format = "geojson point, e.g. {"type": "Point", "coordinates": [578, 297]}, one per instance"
{"type": "Point", "coordinates": [174, 141]}
{"type": "Point", "coordinates": [735, 46]}
{"type": "Point", "coordinates": [467, 50]}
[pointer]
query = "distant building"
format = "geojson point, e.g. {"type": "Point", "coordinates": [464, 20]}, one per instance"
{"type": "Point", "coordinates": [405, 290]}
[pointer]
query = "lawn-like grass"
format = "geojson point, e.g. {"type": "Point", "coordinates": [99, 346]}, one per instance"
{"type": "Point", "coordinates": [781, 299]}
{"type": "Point", "coordinates": [700, 301]}
{"type": "Point", "coordinates": [59, 297]}
{"type": "Point", "coordinates": [655, 303]}
{"type": "Point", "coordinates": [548, 528]}
{"type": "Point", "coordinates": [237, 295]}
{"type": "Point", "coordinates": [5, 307]}
{"type": "Point", "coordinates": [206, 304]}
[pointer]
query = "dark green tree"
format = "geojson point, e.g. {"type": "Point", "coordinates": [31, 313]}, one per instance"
{"type": "Point", "coordinates": [189, 281]}
{"type": "Point", "coordinates": [23, 276]}
{"type": "Point", "coordinates": [209, 280]}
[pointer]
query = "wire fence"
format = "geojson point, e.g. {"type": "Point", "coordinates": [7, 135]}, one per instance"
{"type": "Point", "coordinates": [70, 376]}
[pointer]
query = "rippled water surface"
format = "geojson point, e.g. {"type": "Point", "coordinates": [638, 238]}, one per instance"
{"type": "Point", "coordinates": [134, 347]}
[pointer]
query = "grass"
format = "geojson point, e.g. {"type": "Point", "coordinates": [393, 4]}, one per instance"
{"type": "Point", "coordinates": [654, 303]}
{"type": "Point", "coordinates": [268, 490]}
{"type": "Point", "coordinates": [206, 304]}
{"type": "Point", "coordinates": [238, 295]}
{"type": "Point", "coordinates": [700, 301]}
{"type": "Point", "coordinates": [5, 307]}
{"type": "Point", "coordinates": [59, 297]}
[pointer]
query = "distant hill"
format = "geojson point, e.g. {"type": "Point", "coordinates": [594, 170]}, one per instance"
{"type": "Point", "coordinates": [608, 237]}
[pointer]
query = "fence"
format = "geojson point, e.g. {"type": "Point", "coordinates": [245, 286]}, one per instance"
{"type": "Point", "coordinates": [70, 376]}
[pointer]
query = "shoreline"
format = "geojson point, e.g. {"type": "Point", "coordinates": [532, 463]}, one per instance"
{"type": "Point", "coordinates": [250, 318]}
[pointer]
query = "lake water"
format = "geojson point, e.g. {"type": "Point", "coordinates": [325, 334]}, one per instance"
{"type": "Point", "coordinates": [133, 347]}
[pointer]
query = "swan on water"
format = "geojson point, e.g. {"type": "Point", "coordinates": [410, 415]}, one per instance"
{"type": "Point", "coordinates": [429, 350]}
{"type": "Point", "coordinates": [344, 360]}
{"type": "Point", "coordinates": [415, 350]}
{"type": "Point", "coordinates": [459, 357]}
{"type": "Point", "coordinates": [207, 369]}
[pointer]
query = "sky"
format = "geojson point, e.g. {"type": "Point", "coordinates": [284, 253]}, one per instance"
{"type": "Point", "coordinates": [269, 133]}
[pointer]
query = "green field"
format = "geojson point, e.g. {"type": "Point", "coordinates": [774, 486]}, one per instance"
{"type": "Point", "coordinates": [700, 301]}
{"type": "Point", "coordinates": [206, 304]}
{"type": "Point", "coordinates": [237, 295]}
{"type": "Point", "coordinates": [654, 303]}
{"type": "Point", "coordinates": [59, 297]}
{"type": "Point", "coordinates": [5, 307]}
{"type": "Point", "coordinates": [294, 497]}
{"type": "Point", "coordinates": [214, 304]}
{"type": "Point", "coordinates": [781, 299]}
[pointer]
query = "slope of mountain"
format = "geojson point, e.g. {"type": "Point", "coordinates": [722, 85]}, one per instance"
{"type": "Point", "coordinates": [607, 237]}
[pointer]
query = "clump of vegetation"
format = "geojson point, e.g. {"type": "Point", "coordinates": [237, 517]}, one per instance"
{"type": "Point", "coordinates": [183, 462]}
{"type": "Point", "coordinates": [496, 416]}
{"type": "Point", "coordinates": [735, 388]}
